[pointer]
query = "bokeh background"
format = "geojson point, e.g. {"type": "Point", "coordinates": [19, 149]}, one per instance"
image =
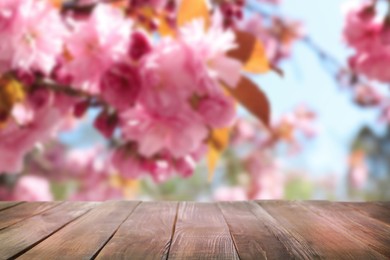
{"type": "Point", "coordinates": [323, 168]}
{"type": "Point", "coordinates": [333, 150]}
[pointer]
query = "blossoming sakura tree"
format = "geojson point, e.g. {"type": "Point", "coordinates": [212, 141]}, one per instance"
{"type": "Point", "coordinates": [165, 76]}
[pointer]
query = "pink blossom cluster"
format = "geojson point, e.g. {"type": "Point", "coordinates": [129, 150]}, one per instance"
{"type": "Point", "coordinates": [160, 95]}
{"type": "Point", "coordinates": [368, 34]}
{"type": "Point", "coordinates": [263, 174]}
{"type": "Point", "coordinates": [278, 35]}
{"type": "Point", "coordinates": [84, 173]}
{"type": "Point", "coordinates": [289, 129]}
{"type": "Point", "coordinates": [27, 188]}
{"type": "Point", "coordinates": [36, 120]}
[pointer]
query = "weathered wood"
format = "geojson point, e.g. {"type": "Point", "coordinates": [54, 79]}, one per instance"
{"type": "Point", "coordinates": [146, 234]}
{"type": "Point", "coordinates": [320, 235]}
{"type": "Point", "coordinates": [201, 233]}
{"type": "Point", "coordinates": [21, 236]}
{"type": "Point", "coordinates": [8, 204]}
{"type": "Point", "coordinates": [252, 236]}
{"type": "Point", "coordinates": [295, 244]}
{"type": "Point", "coordinates": [371, 232]}
{"type": "Point", "coordinates": [171, 230]}
{"type": "Point", "coordinates": [22, 211]}
{"type": "Point", "coordinates": [84, 238]}
{"type": "Point", "coordinates": [376, 210]}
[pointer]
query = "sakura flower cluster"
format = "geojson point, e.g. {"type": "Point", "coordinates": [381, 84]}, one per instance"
{"type": "Point", "coordinates": [160, 96]}
{"type": "Point", "coordinates": [264, 175]}
{"type": "Point", "coordinates": [368, 34]}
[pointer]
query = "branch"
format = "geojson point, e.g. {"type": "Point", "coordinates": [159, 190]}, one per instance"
{"type": "Point", "coordinates": [68, 90]}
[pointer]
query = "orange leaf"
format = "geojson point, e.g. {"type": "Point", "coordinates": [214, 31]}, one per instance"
{"type": "Point", "coordinates": [164, 28]}
{"type": "Point", "coordinates": [250, 52]}
{"type": "Point", "coordinates": [218, 142]}
{"type": "Point", "coordinates": [252, 98]}
{"type": "Point", "coordinates": [56, 3]}
{"type": "Point", "coordinates": [258, 62]}
{"type": "Point", "coordinates": [246, 43]}
{"type": "Point", "coordinates": [193, 9]}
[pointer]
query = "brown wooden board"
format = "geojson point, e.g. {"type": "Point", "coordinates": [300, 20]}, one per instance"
{"type": "Point", "coordinates": [252, 237]}
{"type": "Point", "coordinates": [83, 238]}
{"type": "Point", "coordinates": [371, 232]}
{"type": "Point", "coordinates": [320, 234]}
{"type": "Point", "coordinates": [8, 204]}
{"type": "Point", "coordinates": [146, 234]}
{"type": "Point", "coordinates": [201, 233]}
{"type": "Point", "coordinates": [188, 230]}
{"type": "Point", "coordinates": [295, 243]}
{"type": "Point", "coordinates": [23, 235]}
{"type": "Point", "coordinates": [376, 210]}
{"type": "Point", "coordinates": [22, 211]}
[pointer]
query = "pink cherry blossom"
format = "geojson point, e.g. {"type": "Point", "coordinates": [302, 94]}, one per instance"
{"type": "Point", "coordinates": [160, 169]}
{"type": "Point", "coordinates": [268, 181]}
{"type": "Point", "coordinates": [127, 163]}
{"type": "Point", "coordinates": [373, 64]}
{"type": "Point", "coordinates": [106, 123]}
{"type": "Point", "coordinates": [120, 85]}
{"type": "Point", "coordinates": [32, 34]}
{"type": "Point", "coordinates": [96, 44]}
{"type": "Point", "coordinates": [32, 188]}
{"type": "Point", "coordinates": [271, 1]}
{"type": "Point", "coordinates": [367, 95]}
{"type": "Point", "coordinates": [164, 91]}
{"type": "Point", "coordinates": [218, 111]}
{"type": "Point", "coordinates": [139, 45]}
{"type": "Point", "coordinates": [179, 134]}
{"type": "Point", "coordinates": [369, 37]}
{"type": "Point", "coordinates": [40, 123]}
{"type": "Point", "coordinates": [211, 49]}
{"type": "Point", "coordinates": [361, 30]}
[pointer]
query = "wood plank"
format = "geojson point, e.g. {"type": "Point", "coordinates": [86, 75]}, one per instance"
{"type": "Point", "coordinates": [321, 235]}
{"type": "Point", "coordinates": [371, 232]}
{"type": "Point", "coordinates": [295, 243]}
{"type": "Point", "coordinates": [201, 233]}
{"type": "Point", "coordinates": [83, 238]}
{"type": "Point", "coordinates": [253, 238]}
{"type": "Point", "coordinates": [146, 234]}
{"type": "Point", "coordinates": [376, 210]}
{"type": "Point", "coordinates": [20, 237]}
{"type": "Point", "coordinates": [23, 211]}
{"type": "Point", "coordinates": [8, 204]}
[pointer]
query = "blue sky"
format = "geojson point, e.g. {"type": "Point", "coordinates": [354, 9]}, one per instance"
{"type": "Point", "coordinates": [307, 81]}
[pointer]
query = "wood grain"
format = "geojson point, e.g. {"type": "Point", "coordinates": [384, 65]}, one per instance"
{"type": "Point", "coordinates": [188, 230]}
{"type": "Point", "coordinates": [23, 211]}
{"type": "Point", "coordinates": [252, 237]}
{"type": "Point", "coordinates": [320, 235]}
{"type": "Point", "coordinates": [83, 238]}
{"type": "Point", "coordinates": [146, 234]}
{"type": "Point", "coordinates": [377, 210]}
{"type": "Point", "coordinates": [370, 232]}
{"type": "Point", "coordinates": [8, 204]}
{"type": "Point", "coordinates": [23, 235]}
{"type": "Point", "coordinates": [295, 243]}
{"type": "Point", "coordinates": [201, 233]}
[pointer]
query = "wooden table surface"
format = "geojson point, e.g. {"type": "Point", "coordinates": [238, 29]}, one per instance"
{"type": "Point", "coordinates": [188, 230]}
